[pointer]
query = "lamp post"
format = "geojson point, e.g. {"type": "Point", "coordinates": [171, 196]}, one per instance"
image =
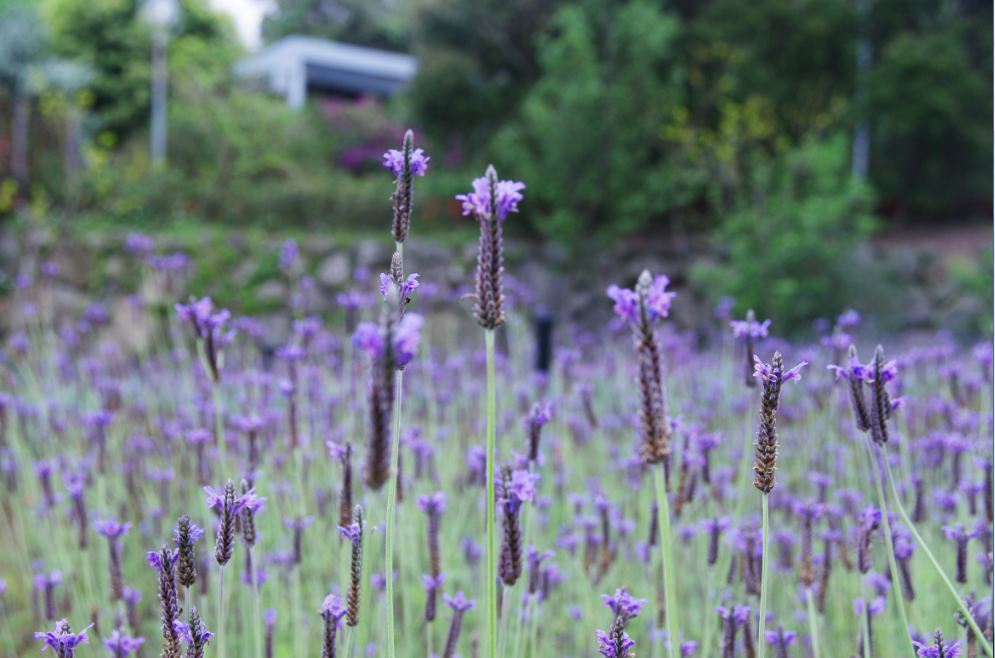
{"type": "Point", "coordinates": [162, 15]}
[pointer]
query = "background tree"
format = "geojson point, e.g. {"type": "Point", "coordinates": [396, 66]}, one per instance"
{"type": "Point", "coordinates": [110, 37]}
{"type": "Point", "coordinates": [375, 23]}
{"type": "Point", "coordinates": [23, 44]}
{"type": "Point", "coordinates": [477, 62]}
{"type": "Point", "coordinates": [587, 136]}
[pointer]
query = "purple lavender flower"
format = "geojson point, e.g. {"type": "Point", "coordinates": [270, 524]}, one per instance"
{"type": "Point", "coordinates": [393, 160]}
{"type": "Point", "coordinates": [62, 640]}
{"type": "Point", "coordinates": [369, 337]}
{"type": "Point", "coordinates": [354, 533]}
{"type": "Point", "coordinates": [405, 165]}
{"type": "Point", "coordinates": [332, 611]}
{"type": "Point", "coordinates": [114, 530]}
{"type": "Point", "coordinates": [750, 328]}
{"type": "Point", "coordinates": [407, 287]}
{"type": "Point", "coordinates": [614, 644]}
{"type": "Point", "coordinates": [46, 583]}
{"type": "Point", "coordinates": [111, 529]}
{"type": "Point", "coordinates": [288, 254]}
{"type": "Point", "coordinates": [749, 331]}
{"type": "Point", "coordinates": [459, 604]}
{"type": "Point", "coordinates": [622, 603]}
{"type": "Point", "coordinates": [138, 244]}
{"type": "Point", "coordinates": [120, 645]}
{"type": "Point", "coordinates": [163, 562]}
{"type": "Point", "coordinates": [209, 326]}
{"type": "Point", "coordinates": [506, 195]}
{"type": "Point", "coordinates": [639, 307]}
{"type": "Point", "coordinates": [540, 414]}
{"type": "Point", "coordinates": [432, 585]}
{"type": "Point", "coordinates": [658, 300]}
{"type": "Point", "coordinates": [961, 535]}
{"type": "Point", "coordinates": [185, 536]}
{"type": "Point", "coordinates": [195, 634]}
{"type": "Point", "coordinates": [769, 372]}
{"type": "Point", "coordinates": [772, 376]}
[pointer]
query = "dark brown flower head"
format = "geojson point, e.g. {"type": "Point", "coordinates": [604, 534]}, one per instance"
{"type": "Point", "coordinates": [187, 535]}
{"type": "Point", "coordinates": [489, 301]}
{"type": "Point", "coordinates": [772, 376]}
{"type": "Point", "coordinates": [381, 401]}
{"type": "Point", "coordinates": [345, 494]}
{"type": "Point", "coordinates": [225, 543]}
{"type": "Point", "coordinates": [248, 517]}
{"type": "Point", "coordinates": [881, 404]}
{"type": "Point", "coordinates": [354, 532]}
{"type": "Point", "coordinates": [410, 165]}
{"type": "Point", "coordinates": [653, 410]}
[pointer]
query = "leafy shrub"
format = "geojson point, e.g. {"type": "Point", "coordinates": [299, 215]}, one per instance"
{"type": "Point", "coordinates": [789, 240]}
{"type": "Point", "coordinates": [585, 139]}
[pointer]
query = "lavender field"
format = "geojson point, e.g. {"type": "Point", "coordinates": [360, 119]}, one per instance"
{"type": "Point", "coordinates": [398, 480]}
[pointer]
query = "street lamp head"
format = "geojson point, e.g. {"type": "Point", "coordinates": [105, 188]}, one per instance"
{"type": "Point", "coordinates": [161, 14]}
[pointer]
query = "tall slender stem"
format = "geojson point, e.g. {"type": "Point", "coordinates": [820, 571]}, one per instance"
{"type": "Point", "coordinates": [985, 645]}
{"type": "Point", "coordinates": [667, 557]}
{"type": "Point", "coordinates": [865, 620]}
{"type": "Point", "coordinates": [257, 618]}
{"type": "Point", "coordinates": [395, 447]}
{"type": "Point", "coordinates": [764, 568]}
{"type": "Point", "coordinates": [8, 636]}
{"type": "Point", "coordinates": [890, 544]}
{"type": "Point", "coordinates": [219, 429]}
{"type": "Point", "coordinates": [813, 622]}
{"type": "Point", "coordinates": [490, 575]}
{"type": "Point", "coordinates": [221, 612]}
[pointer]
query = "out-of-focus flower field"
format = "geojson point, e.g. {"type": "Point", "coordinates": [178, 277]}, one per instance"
{"type": "Point", "coordinates": [332, 496]}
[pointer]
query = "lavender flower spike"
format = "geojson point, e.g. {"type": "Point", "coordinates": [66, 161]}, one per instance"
{"type": "Point", "coordinates": [773, 376]}
{"type": "Point", "coordinates": [489, 203]}
{"type": "Point", "coordinates": [185, 536]}
{"type": "Point", "coordinates": [616, 643]}
{"type": "Point", "coordinates": [405, 165]}
{"type": "Point", "coordinates": [749, 331]}
{"type": "Point", "coordinates": [230, 508]}
{"type": "Point", "coordinates": [641, 307]}
{"type": "Point", "coordinates": [163, 562]}
{"type": "Point", "coordinates": [114, 530]}
{"type": "Point", "coordinates": [331, 612]}
{"type": "Point", "coordinates": [120, 645]}
{"type": "Point", "coordinates": [354, 533]}
{"type": "Point", "coordinates": [459, 604]}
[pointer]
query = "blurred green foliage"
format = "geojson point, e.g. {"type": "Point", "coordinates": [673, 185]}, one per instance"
{"type": "Point", "coordinates": [584, 140]}
{"type": "Point", "coordinates": [374, 23]}
{"type": "Point", "coordinates": [111, 37]}
{"type": "Point", "coordinates": [789, 238]}
{"type": "Point", "coordinates": [729, 119]}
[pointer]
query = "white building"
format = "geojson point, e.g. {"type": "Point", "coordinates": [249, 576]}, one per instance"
{"type": "Point", "coordinates": [296, 66]}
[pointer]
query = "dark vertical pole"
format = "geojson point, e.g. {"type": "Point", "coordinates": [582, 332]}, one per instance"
{"type": "Point", "coordinates": [543, 320]}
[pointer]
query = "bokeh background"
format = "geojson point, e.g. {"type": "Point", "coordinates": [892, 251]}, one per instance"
{"type": "Point", "coordinates": [796, 157]}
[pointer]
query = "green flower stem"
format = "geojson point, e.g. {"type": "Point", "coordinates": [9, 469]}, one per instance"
{"type": "Point", "coordinates": [813, 622]}
{"type": "Point", "coordinates": [490, 572]}
{"type": "Point", "coordinates": [8, 635]}
{"type": "Point", "coordinates": [667, 556]}
{"type": "Point", "coordinates": [391, 504]}
{"type": "Point", "coordinates": [257, 618]}
{"type": "Point", "coordinates": [890, 546]}
{"type": "Point", "coordinates": [985, 645]}
{"type": "Point", "coordinates": [764, 568]}
{"type": "Point", "coordinates": [865, 621]}
{"type": "Point", "coordinates": [221, 611]}
{"type": "Point", "coordinates": [219, 429]}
